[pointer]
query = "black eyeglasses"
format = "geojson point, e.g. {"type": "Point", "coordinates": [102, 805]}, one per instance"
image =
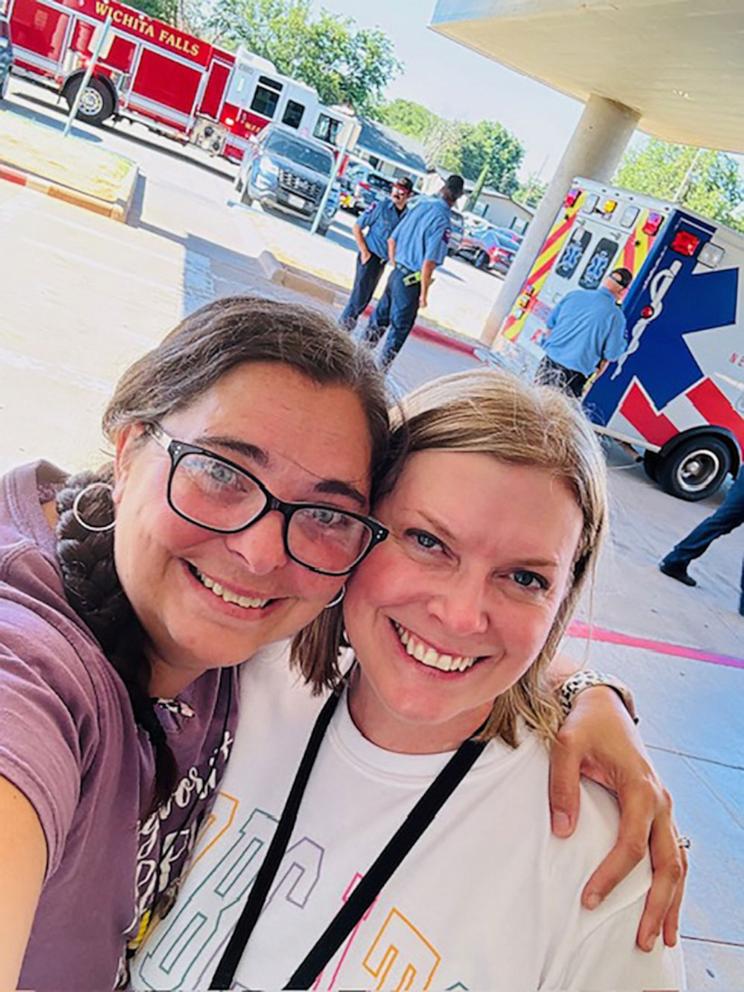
{"type": "Point", "coordinates": [223, 497]}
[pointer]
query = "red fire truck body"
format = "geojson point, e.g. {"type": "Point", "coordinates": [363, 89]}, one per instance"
{"type": "Point", "coordinates": [150, 71]}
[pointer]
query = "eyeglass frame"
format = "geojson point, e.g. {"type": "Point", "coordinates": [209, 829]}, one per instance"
{"type": "Point", "coordinates": [177, 451]}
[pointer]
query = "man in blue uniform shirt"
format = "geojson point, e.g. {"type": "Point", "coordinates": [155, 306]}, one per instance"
{"type": "Point", "coordinates": [371, 233]}
{"type": "Point", "coordinates": [587, 332]}
{"type": "Point", "coordinates": [415, 248]}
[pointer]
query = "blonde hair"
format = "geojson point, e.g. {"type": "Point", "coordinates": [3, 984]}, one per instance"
{"type": "Point", "coordinates": [495, 413]}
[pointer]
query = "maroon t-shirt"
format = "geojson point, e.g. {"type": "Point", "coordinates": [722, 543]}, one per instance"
{"type": "Point", "coordinates": [69, 742]}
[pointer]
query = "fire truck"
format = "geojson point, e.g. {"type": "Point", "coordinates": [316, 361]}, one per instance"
{"type": "Point", "coordinates": [151, 72]}
{"type": "Point", "coordinates": [677, 393]}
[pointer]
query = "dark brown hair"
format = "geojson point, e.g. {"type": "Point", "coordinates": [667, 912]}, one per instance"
{"type": "Point", "coordinates": [193, 357]}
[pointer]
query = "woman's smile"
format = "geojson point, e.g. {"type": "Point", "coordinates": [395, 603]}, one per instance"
{"type": "Point", "coordinates": [246, 604]}
{"type": "Point", "coordinates": [451, 662]}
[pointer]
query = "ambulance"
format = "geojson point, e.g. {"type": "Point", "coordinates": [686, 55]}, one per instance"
{"type": "Point", "coordinates": [172, 82]}
{"type": "Point", "coordinates": [677, 393]}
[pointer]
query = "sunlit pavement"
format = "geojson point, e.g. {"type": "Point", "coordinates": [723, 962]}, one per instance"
{"type": "Point", "coordinates": [83, 296]}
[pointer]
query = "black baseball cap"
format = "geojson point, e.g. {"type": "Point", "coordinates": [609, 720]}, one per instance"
{"type": "Point", "coordinates": [405, 183]}
{"type": "Point", "coordinates": [455, 184]}
{"type": "Point", "coordinates": [623, 277]}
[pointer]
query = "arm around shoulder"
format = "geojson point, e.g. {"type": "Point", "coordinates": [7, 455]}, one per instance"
{"type": "Point", "coordinates": [23, 858]}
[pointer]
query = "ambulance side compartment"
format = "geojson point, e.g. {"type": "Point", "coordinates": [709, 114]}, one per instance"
{"type": "Point", "coordinates": [678, 392]}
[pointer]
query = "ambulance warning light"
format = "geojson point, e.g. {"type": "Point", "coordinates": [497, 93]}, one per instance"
{"type": "Point", "coordinates": [653, 223]}
{"type": "Point", "coordinates": [572, 196]}
{"type": "Point", "coordinates": [685, 243]}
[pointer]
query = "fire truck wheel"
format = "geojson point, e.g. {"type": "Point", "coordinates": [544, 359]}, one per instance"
{"type": "Point", "coordinates": [97, 103]}
{"type": "Point", "coordinates": [695, 468]}
{"type": "Point", "coordinates": [651, 465]}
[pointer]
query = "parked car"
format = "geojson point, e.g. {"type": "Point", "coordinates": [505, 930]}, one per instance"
{"type": "Point", "coordinates": [457, 231]}
{"type": "Point", "coordinates": [478, 223]}
{"type": "Point", "coordinates": [507, 232]}
{"type": "Point", "coordinates": [6, 56]}
{"type": "Point", "coordinates": [489, 248]}
{"type": "Point", "coordinates": [361, 187]}
{"type": "Point", "coordinates": [288, 172]}
{"type": "Point", "coordinates": [353, 173]}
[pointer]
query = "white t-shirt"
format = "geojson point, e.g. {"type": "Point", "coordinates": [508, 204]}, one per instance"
{"type": "Point", "coordinates": [487, 899]}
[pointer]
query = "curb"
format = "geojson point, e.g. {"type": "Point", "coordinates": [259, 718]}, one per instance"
{"type": "Point", "coordinates": [302, 282]}
{"type": "Point", "coordinates": [118, 211]}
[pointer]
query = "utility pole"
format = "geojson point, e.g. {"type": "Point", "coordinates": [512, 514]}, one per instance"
{"type": "Point", "coordinates": [687, 178]}
{"type": "Point", "coordinates": [350, 135]}
{"type": "Point", "coordinates": [480, 182]}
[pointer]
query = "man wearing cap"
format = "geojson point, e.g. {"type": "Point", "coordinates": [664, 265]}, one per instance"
{"type": "Point", "coordinates": [587, 332]}
{"type": "Point", "coordinates": [371, 233]}
{"type": "Point", "coordinates": [415, 248]}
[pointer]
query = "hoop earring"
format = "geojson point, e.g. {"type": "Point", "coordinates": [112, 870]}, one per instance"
{"type": "Point", "coordinates": [339, 596]}
{"type": "Point", "coordinates": [76, 508]}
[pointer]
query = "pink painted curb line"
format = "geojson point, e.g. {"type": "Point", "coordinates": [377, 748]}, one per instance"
{"type": "Point", "coordinates": [443, 339]}
{"type": "Point", "coordinates": [438, 337]}
{"type": "Point", "coordinates": [584, 630]}
{"type": "Point", "coordinates": [12, 176]}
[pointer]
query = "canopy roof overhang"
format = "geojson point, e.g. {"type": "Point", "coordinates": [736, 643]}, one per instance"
{"type": "Point", "coordinates": [679, 63]}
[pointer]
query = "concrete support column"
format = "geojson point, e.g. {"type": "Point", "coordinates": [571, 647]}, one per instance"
{"type": "Point", "coordinates": [594, 151]}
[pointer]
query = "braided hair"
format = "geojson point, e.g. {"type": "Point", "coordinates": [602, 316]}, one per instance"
{"type": "Point", "coordinates": [92, 587]}
{"type": "Point", "coordinates": [205, 346]}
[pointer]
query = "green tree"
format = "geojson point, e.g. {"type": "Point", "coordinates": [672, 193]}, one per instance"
{"type": "Point", "coordinates": [344, 63]}
{"type": "Point", "coordinates": [490, 156]}
{"type": "Point", "coordinates": [443, 143]}
{"type": "Point", "coordinates": [183, 14]}
{"type": "Point", "coordinates": [531, 192]}
{"type": "Point", "coordinates": [711, 181]}
{"type": "Point", "coordinates": [409, 118]}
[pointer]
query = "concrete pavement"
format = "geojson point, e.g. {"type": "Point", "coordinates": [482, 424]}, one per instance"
{"type": "Point", "coordinates": [83, 297]}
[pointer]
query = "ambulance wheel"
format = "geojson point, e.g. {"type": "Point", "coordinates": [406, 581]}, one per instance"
{"type": "Point", "coordinates": [651, 465]}
{"type": "Point", "coordinates": [97, 103]}
{"type": "Point", "coordinates": [695, 468]}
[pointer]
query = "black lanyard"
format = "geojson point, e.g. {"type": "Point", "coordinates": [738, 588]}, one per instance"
{"type": "Point", "coordinates": [370, 885]}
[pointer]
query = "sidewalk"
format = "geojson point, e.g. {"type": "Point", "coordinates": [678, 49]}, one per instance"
{"type": "Point", "coordinates": [323, 268]}
{"type": "Point", "coordinates": [72, 168]}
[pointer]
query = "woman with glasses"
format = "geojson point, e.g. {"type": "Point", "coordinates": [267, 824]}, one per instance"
{"type": "Point", "coordinates": [119, 647]}
{"type": "Point", "coordinates": [246, 447]}
{"type": "Point", "coordinates": [370, 836]}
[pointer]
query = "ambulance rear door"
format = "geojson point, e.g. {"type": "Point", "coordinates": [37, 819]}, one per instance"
{"type": "Point", "coordinates": [600, 228]}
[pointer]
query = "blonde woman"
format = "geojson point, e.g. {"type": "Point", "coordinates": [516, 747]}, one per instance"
{"type": "Point", "coordinates": [389, 830]}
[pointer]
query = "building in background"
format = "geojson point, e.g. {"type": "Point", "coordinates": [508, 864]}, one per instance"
{"type": "Point", "coordinates": [497, 208]}
{"type": "Point", "coordinates": [390, 153]}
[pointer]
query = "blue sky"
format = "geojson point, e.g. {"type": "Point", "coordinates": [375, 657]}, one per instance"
{"type": "Point", "coordinates": [458, 83]}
